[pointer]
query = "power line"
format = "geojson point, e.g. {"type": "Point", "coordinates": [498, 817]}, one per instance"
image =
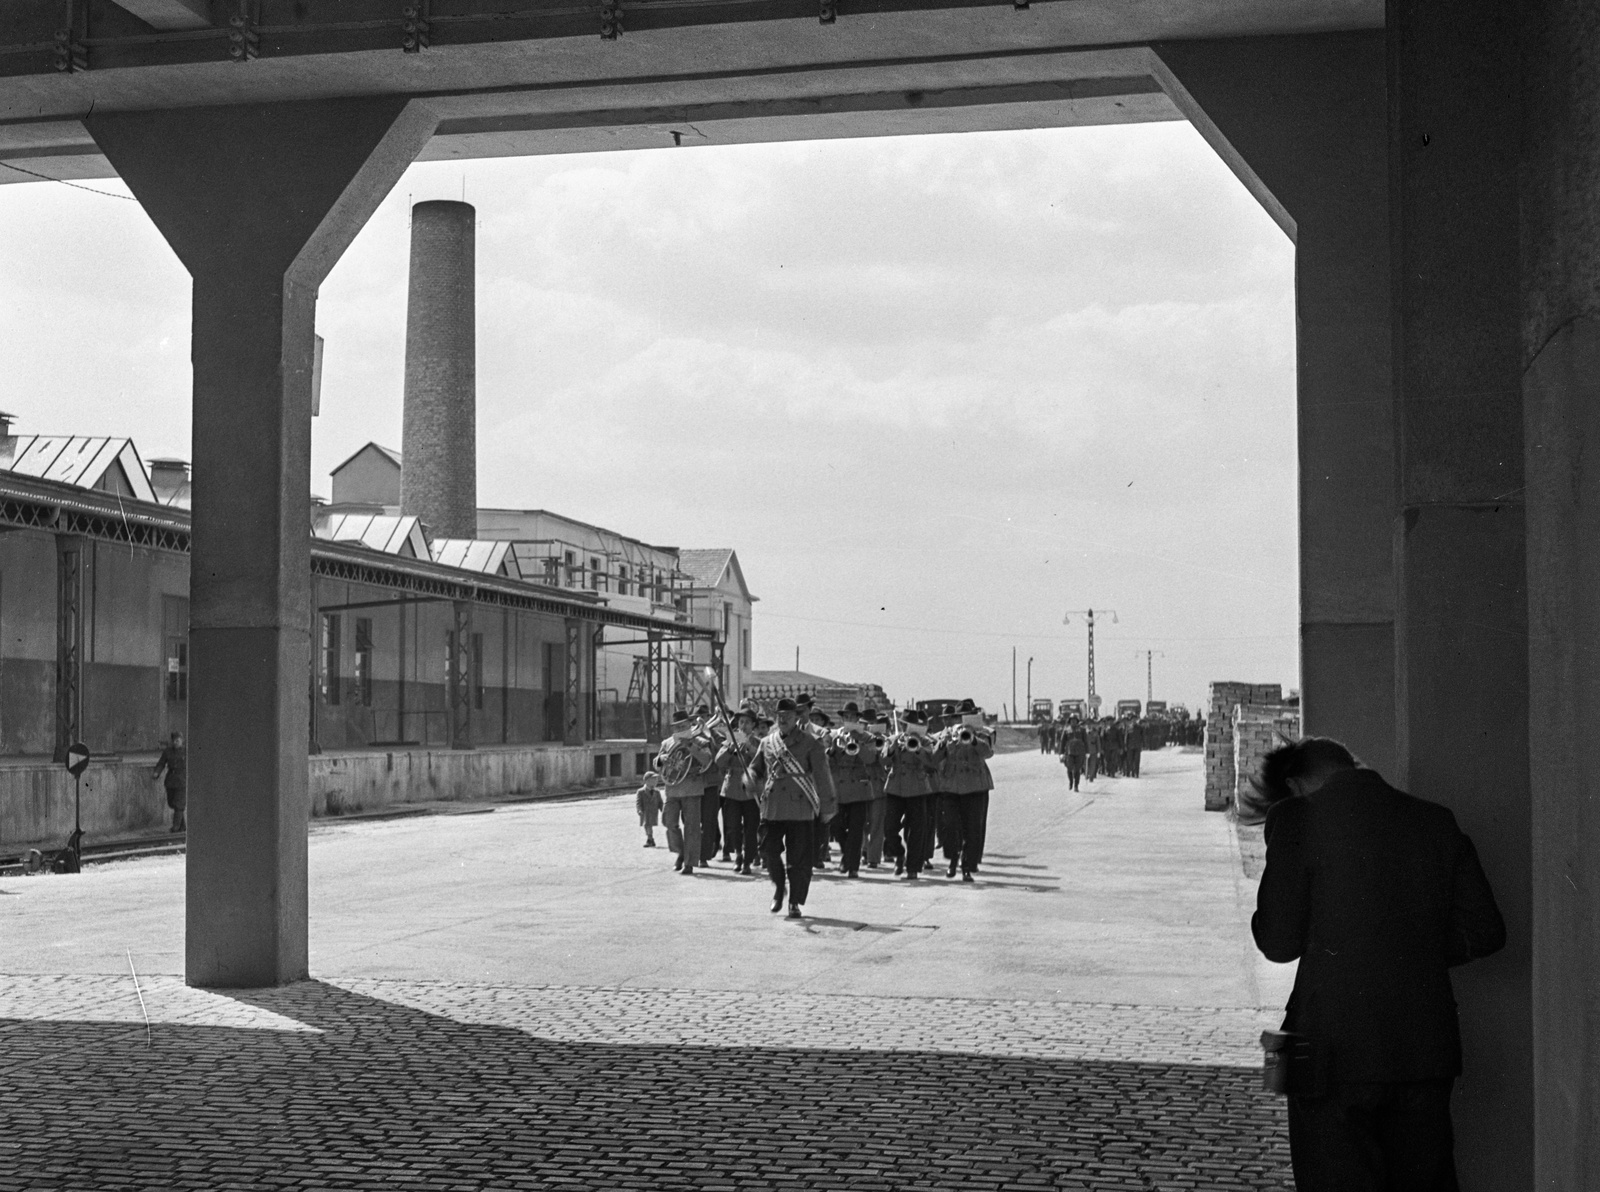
{"type": "Point", "coordinates": [75, 185]}
{"type": "Point", "coordinates": [1054, 637]}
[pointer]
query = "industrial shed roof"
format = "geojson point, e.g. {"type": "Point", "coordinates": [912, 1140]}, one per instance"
{"type": "Point", "coordinates": [487, 557]}
{"type": "Point", "coordinates": [83, 461]}
{"type": "Point", "coordinates": [400, 536]}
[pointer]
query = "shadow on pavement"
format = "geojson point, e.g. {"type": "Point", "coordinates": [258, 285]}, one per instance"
{"type": "Point", "coordinates": [387, 1096]}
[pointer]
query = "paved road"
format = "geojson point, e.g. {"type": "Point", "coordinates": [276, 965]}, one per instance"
{"type": "Point", "coordinates": [529, 995]}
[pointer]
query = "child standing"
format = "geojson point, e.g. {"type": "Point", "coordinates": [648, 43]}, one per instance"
{"type": "Point", "coordinates": [649, 802]}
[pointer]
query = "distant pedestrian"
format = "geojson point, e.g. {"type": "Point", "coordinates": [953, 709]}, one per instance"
{"type": "Point", "coordinates": [1074, 751]}
{"type": "Point", "coordinates": [174, 764]}
{"type": "Point", "coordinates": [1378, 895]}
{"type": "Point", "coordinates": [649, 803]}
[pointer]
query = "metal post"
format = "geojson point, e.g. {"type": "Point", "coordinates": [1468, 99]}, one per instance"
{"type": "Point", "coordinates": [1014, 684]}
{"type": "Point", "coordinates": [1091, 656]}
{"type": "Point", "coordinates": [1030, 688]}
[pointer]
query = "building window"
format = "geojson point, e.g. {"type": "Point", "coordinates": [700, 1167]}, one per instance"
{"type": "Point", "coordinates": [622, 579]}
{"type": "Point", "coordinates": [330, 658]}
{"type": "Point", "coordinates": [727, 620]}
{"type": "Point", "coordinates": [552, 572]}
{"type": "Point", "coordinates": [572, 570]}
{"type": "Point", "coordinates": [477, 671]}
{"type": "Point", "coordinates": [596, 575]}
{"type": "Point", "coordinates": [364, 660]}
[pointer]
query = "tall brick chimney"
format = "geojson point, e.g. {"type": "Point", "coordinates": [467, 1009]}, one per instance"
{"type": "Point", "coordinates": [439, 475]}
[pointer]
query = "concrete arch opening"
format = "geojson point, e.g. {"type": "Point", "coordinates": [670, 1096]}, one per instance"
{"type": "Point", "coordinates": [1447, 309]}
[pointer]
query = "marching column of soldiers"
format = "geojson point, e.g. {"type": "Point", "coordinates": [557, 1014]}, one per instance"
{"type": "Point", "coordinates": [1114, 748]}
{"type": "Point", "coordinates": [787, 789]}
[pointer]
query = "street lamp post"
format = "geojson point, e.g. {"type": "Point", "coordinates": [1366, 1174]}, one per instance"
{"type": "Point", "coordinates": [1030, 689]}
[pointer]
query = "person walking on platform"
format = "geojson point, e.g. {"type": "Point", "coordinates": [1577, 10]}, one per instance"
{"type": "Point", "coordinates": [683, 762]}
{"type": "Point", "coordinates": [1074, 751]}
{"type": "Point", "coordinates": [174, 764]}
{"type": "Point", "coordinates": [1377, 894]}
{"type": "Point", "coordinates": [1133, 747]}
{"type": "Point", "coordinates": [1093, 743]}
{"type": "Point", "coordinates": [962, 753]}
{"type": "Point", "coordinates": [741, 818]}
{"type": "Point", "coordinates": [795, 791]}
{"type": "Point", "coordinates": [908, 791]}
{"type": "Point", "coordinates": [1111, 749]}
{"type": "Point", "coordinates": [851, 757]}
{"type": "Point", "coordinates": [647, 801]}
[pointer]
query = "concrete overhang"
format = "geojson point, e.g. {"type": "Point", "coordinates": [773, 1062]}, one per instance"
{"type": "Point", "coordinates": [986, 66]}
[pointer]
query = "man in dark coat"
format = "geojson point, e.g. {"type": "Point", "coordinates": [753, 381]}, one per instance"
{"type": "Point", "coordinates": [173, 765]}
{"type": "Point", "coordinates": [1377, 894]}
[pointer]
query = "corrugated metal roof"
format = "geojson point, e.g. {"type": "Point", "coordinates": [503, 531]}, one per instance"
{"type": "Point", "coordinates": [400, 536]}
{"type": "Point", "coordinates": [486, 557]}
{"type": "Point", "coordinates": [83, 461]}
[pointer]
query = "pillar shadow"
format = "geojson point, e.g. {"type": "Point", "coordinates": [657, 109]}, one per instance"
{"type": "Point", "coordinates": [384, 1095]}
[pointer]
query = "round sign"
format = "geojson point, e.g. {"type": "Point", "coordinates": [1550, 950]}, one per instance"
{"type": "Point", "coordinates": [77, 758]}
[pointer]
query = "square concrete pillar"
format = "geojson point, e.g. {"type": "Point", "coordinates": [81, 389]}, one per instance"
{"type": "Point", "coordinates": [1460, 537]}
{"type": "Point", "coordinates": [1303, 123]}
{"type": "Point", "coordinates": [258, 202]}
{"type": "Point", "coordinates": [1559, 182]}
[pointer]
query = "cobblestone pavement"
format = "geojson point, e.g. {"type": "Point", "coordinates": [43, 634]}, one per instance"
{"type": "Point", "coordinates": [318, 1086]}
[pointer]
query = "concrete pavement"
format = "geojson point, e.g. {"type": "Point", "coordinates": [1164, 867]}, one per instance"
{"type": "Point", "coordinates": [1105, 948]}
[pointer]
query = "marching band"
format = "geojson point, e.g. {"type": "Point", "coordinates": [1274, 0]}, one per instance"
{"type": "Point", "coordinates": [791, 786]}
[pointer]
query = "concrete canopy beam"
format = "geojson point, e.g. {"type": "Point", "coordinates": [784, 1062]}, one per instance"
{"type": "Point", "coordinates": [1302, 122]}
{"type": "Point", "coordinates": [258, 202]}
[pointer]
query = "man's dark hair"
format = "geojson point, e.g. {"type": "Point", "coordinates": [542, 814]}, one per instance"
{"type": "Point", "coordinates": [1293, 759]}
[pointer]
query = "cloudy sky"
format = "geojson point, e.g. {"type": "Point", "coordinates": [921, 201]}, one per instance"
{"type": "Point", "coordinates": [936, 391]}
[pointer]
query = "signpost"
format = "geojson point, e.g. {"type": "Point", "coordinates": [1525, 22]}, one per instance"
{"type": "Point", "coordinates": [77, 763]}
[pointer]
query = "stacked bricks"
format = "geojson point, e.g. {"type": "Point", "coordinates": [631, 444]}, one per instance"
{"type": "Point", "coordinates": [1221, 767]}
{"type": "Point", "coordinates": [1257, 730]}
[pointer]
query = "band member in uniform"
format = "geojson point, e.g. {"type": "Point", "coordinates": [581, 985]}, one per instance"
{"type": "Point", "coordinates": [794, 790]}
{"type": "Point", "coordinates": [908, 789]}
{"type": "Point", "coordinates": [711, 795]}
{"type": "Point", "coordinates": [851, 755]}
{"type": "Point", "coordinates": [1074, 751]}
{"type": "Point", "coordinates": [818, 724]}
{"type": "Point", "coordinates": [683, 762]}
{"type": "Point", "coordinates": [741, 818]}
{"type": "Point", "coordinates": [962, 752]}
{"type": "Point", "coordinates": [873, 855]}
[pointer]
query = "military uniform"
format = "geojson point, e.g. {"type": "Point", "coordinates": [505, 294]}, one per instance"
{"type": "Point", "coordinates": [787, 810]}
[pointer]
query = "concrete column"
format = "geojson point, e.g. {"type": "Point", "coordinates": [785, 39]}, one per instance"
{"type": "Point", "coordinates": [258, 202]}
{"type": "Point", "coordinates": [1302, 122]}
{"type": "Point", "coordinates": [439, 441]}
{"type": "Point", "coordinates": [1560, 182]}
{"type": "Point", "coordinates": [1462, 641]}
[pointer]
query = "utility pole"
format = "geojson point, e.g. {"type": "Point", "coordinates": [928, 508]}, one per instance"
{"type": "Point", "coordinates": [1030, 688]}
{"type": "Point", "coordinates": [1089, 614]}
{"type": "Point", "coordinates": [1014, 684]}
{"type": "Point", "coordinates": [1149, 672]}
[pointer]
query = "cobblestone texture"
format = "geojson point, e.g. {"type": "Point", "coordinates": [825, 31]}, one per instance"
{"type": "Point", "coordinates": [393, 1084]}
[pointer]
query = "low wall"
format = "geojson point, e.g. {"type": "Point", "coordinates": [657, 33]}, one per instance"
{"type": "Point", "coordinates": [121, 800]}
